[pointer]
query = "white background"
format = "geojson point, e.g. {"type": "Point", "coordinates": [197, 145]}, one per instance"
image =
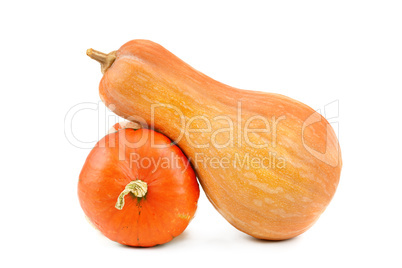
{"type": "Point", "coordinates": [319, 52]}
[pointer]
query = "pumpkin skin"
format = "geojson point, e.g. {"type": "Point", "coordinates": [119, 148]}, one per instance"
{"type": "Point", "coordinates": [171, 199]}
{"type": "Point", "coordinates": [273, 203]}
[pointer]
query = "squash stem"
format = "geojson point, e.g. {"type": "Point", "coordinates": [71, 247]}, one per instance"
{"type": "Point", "coordinates": [138, 188]}
{"type": "Point", "coordinates": [106, 60]}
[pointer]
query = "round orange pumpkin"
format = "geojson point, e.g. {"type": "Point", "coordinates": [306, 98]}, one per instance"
{"type": "Point", "coordinates": [137, 188]}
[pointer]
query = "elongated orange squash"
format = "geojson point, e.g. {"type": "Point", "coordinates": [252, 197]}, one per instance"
{"type": "Point", "coordinates": [269, 164]}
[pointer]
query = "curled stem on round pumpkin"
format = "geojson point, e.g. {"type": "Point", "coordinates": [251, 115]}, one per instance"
{"type": "Point", "coordinates": [106, 60]}
{"type": "Point", "coordinates": [138, 188]}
